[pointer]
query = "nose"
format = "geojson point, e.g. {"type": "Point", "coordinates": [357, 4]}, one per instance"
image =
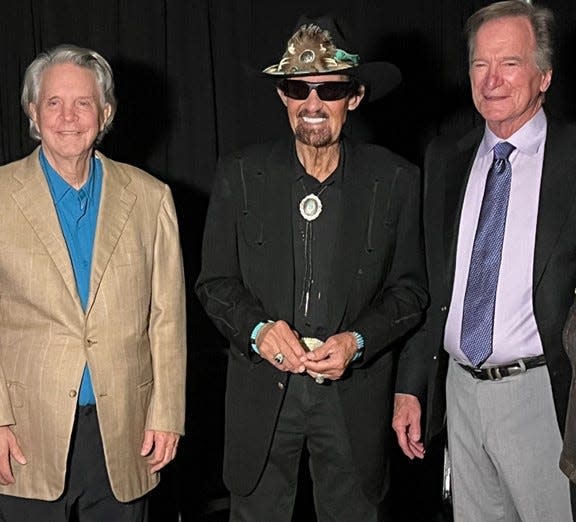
{"type": "Point", "coordinates": [69, 112]}
{"type": "Point", "coordinates": [493, 77]}
{"type": "Point", "coordinates": [313, 101]}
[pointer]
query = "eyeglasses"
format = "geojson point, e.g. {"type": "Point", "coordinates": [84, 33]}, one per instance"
{"type": "Point", "coordinates": [326, 91]}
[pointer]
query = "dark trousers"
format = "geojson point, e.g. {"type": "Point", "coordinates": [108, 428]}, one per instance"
{"type": "Point", "coordinates": [87, 496]}
{"type": "Point", "coordinates": [310, 415]}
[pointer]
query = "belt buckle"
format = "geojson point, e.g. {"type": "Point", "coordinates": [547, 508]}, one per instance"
{"type": "Point", "coordinates": [494, 373]}
{"type": "Point", "coordinates": [310, 343]}
{"type": "Point", "coordinates": [518, 368]}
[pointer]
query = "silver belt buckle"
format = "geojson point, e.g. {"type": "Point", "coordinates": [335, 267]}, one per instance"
{"type": "Point", "coordinates": [310, 343]}
{"type": "Point", "coordinates": [516, 370]}
{"type": "Point", "coordinates": [494, 373]}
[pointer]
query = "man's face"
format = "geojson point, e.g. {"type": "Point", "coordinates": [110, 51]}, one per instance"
{"type": "Point", "coordinates": [316, 122]}
{"type": "Point", "coordinates": [68, 114]}
{"type": "Point", "coordinates": [507, 85]}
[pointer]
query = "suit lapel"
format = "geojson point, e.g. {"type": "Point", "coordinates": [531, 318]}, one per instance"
{"type": "Point", "coordinates": [116, 203]}
{"type": "Point", "coordinates": [557, 192]}
{"type": "Point", "coordinates": [455, 181]}
{"type": "Point", "coordinates": [35, 202]}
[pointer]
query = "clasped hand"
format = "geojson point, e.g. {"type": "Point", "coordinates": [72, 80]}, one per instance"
{"type": "Point", "coordinates": [329, 360]}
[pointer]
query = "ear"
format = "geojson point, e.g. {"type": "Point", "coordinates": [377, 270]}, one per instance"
{"type": "Point", "coordinates": [32, 112]}
{"type": "Point", "coordinates": [355, 99]}
{"type": "Point", "coordinates": [283, 97]}
{"type": "Point", "coordinates": [546, 80]}
{"type": "Point", "coordinates": [106, 112]}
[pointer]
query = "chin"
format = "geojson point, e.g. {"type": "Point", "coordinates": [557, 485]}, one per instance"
{"type": "Point", "coordinates": [495, 115]}
{"type": "Point", "coordinates": [313, 138]}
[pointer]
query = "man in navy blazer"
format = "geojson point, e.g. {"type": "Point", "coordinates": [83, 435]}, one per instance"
{"type": "Point", "coordinates": [313, 270]}
{"type": "Point", "coordinates": [505, 413]}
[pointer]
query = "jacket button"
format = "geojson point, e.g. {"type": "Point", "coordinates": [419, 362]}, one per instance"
{"type": "Point", "coordinates": [280, 386]}
{"type": "Point", "coordinates": [72, 393]}
{"type": "Point", "coordinates": [443, 308]}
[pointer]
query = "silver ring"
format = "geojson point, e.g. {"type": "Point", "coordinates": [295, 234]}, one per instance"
{"type": "Point", "coordinates": [319, 379]}
{"type": "Point", "coordinates": [279, 357]}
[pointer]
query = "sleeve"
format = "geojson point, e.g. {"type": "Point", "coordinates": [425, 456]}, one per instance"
{"type": "Point", "coordinates": [399, 305]}
{"type": "Point", "coordinates": [418, 359]}
{"type": "Point", "coordinates": [6, 414]}
{"type": "Point", "coordinates": [220, 287]}
{"type": "Point", "coordinates": [167, 325]}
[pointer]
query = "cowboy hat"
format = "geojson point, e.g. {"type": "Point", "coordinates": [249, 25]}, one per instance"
{"type": "Point", "coordinates": [318, 47]}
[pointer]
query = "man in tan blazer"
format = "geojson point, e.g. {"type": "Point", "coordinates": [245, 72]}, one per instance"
{"type": "Point", "coordinates": [92, 312]}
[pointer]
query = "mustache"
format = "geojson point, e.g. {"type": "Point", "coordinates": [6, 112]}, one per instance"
{"type": "Point", "coordinates": [306, 113]}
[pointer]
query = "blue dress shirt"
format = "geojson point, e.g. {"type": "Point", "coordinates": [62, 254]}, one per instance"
{"type": "Point", "coordinates": [77, 212]}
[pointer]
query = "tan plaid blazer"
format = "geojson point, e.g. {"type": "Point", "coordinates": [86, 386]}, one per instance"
{"type": "Point", "coordinates": [132, 334]}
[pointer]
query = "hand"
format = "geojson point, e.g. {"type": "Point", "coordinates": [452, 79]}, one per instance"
{"type": "Point", "coordinates": [9, 449]}
{"type": "Point", "coordinates": [278, 337]}
{"type": "Point", "coordinates": [160, 448]}
{"type": "Point", "coordinates": [333, 357]}
{"type": "Point", "coordinates": [406, 424]}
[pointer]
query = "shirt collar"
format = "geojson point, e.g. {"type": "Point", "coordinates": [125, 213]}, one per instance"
{"type": "Point", "coordinates": [527, 139]}
{"type": "Point", "coordinates": [59, 187]}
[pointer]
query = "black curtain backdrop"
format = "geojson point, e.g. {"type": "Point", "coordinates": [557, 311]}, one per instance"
{"type": "Point", "coordinates": [189, 90]}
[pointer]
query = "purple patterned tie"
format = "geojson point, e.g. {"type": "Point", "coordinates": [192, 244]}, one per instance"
{"type": "Point", "coordinates": [480, 296]}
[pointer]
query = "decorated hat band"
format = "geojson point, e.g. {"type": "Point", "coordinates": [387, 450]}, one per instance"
{"type": "Point", "coordinates": [310, 51]}
{"type": "Point", "coordinates": [319, 47]}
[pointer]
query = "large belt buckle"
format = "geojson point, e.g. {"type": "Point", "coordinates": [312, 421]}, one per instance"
{"type": "Point", "coordinates": [310, 343]}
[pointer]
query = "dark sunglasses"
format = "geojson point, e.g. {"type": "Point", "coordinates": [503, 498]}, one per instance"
{"type": "Point", "coordinates": [326, 91]}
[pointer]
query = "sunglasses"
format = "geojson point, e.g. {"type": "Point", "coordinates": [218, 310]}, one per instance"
{"type": "Point", "coordinates": [326, 91]}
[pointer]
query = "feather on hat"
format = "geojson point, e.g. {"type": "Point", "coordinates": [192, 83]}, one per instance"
{"type": "Point", "coordinates": [318, 47]}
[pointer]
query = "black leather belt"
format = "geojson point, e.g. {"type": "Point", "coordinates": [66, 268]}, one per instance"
{"type": "Point", "coordinates": [495, 373]}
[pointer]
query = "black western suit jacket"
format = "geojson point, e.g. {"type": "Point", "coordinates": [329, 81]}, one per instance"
{"type": "Point", "coordinates": [423, 362]}
{"type": "Point", "coordinates": [247, 276]}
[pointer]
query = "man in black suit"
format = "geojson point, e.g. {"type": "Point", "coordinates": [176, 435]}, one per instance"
{"type": "Point", "coordinates": [313, 269]}
{"type": "Point", "coordinates": [500, 243]}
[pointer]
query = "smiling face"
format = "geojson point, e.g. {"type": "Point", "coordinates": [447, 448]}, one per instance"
{"type": "Point", "coordinates": [507, 86]}
{"type": "Point", "coordinates": [315, 122]}
{"type": "Point", "coordinates": [68, 114]}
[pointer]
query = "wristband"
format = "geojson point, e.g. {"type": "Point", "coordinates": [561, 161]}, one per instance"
{"type": "Point", "coordinates": [255, 333]}
{"type": "Point", "coordinates": [359, 345]}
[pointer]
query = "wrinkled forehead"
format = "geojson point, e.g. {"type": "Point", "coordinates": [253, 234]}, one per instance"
{"type": "Point", "coordinates": [61, 76]}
